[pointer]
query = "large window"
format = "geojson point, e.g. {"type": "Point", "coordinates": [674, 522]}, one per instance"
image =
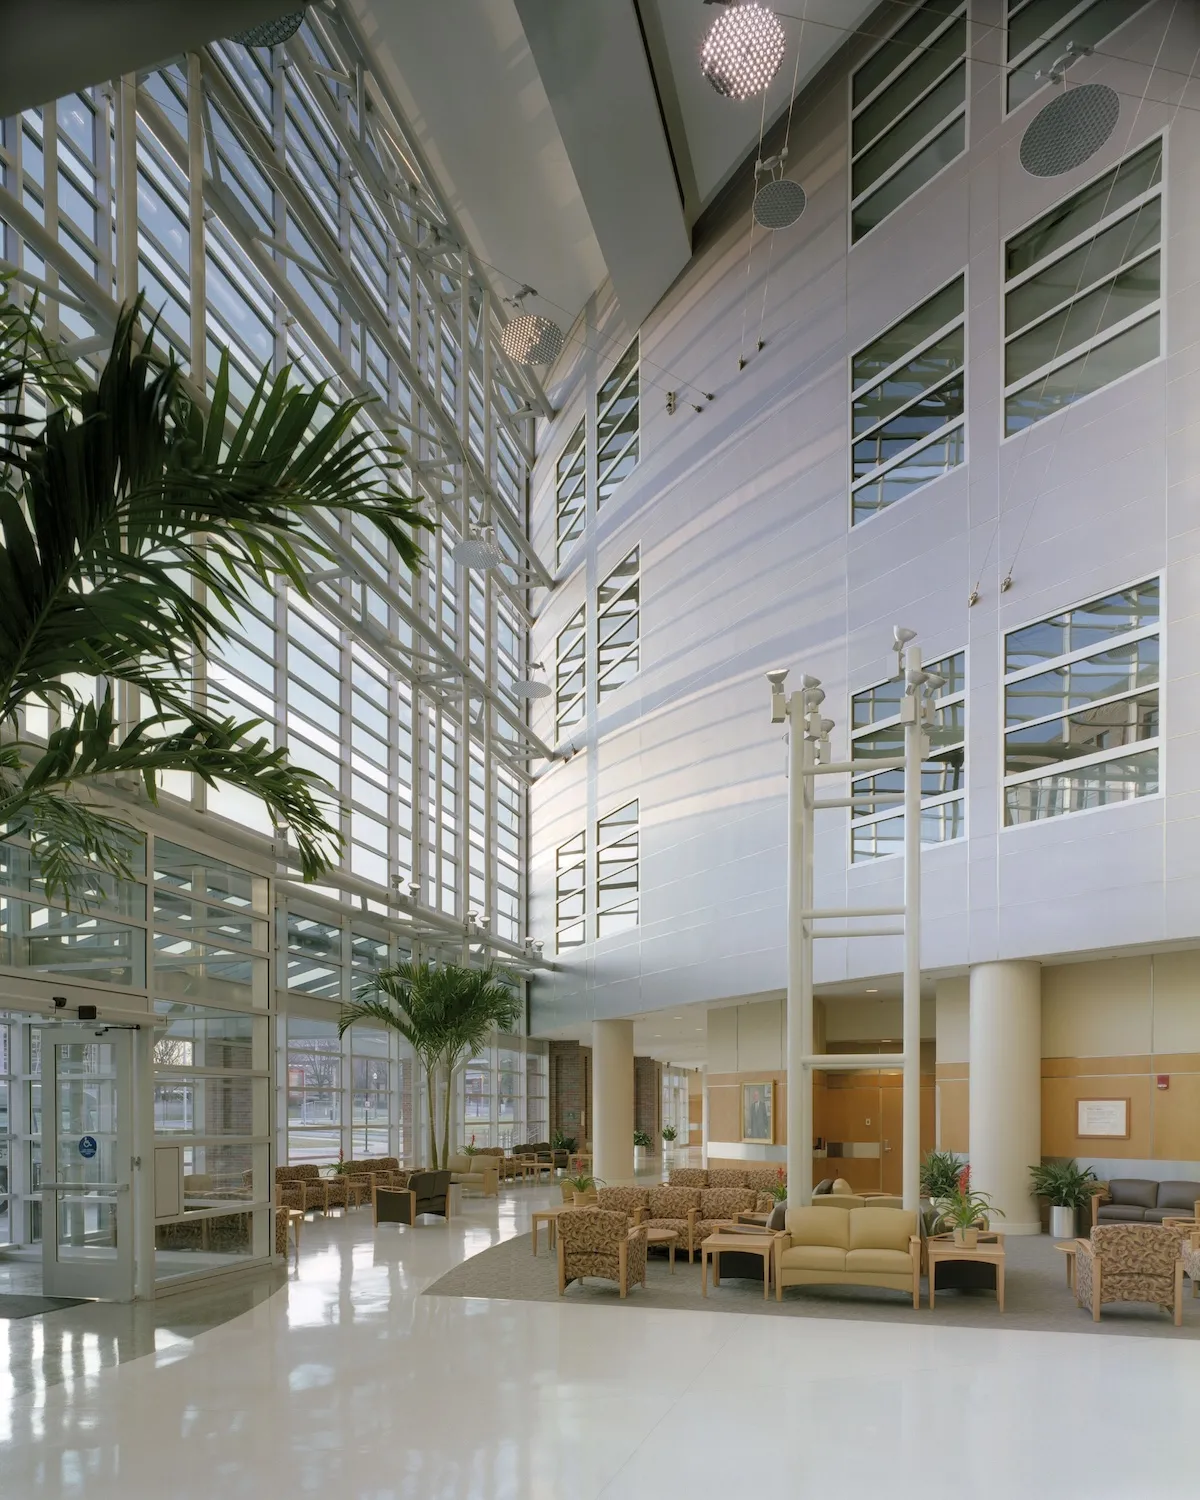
{"type": "Point", "coordinates": [1039, 32]}
{"type": "Point", "coordinates": [877, 733]}
{"type": "Point", "coordinates": [570, 894]}
{"type": "Point", "coordinates": [618, 625]}
{"type": "Point", "coordinates": [571, 672]}
{"type": "Point", "coordinates": [571, 491]}
{"type": "Point", "coordinates": [1082, 303]}
{"type": "Point", "coordinates": [908, 398]}
{"type": "Point", "coordinates": [617, 425]}
{"type": "Point", "coordinates": [1081, 707]}
{"type": "Point", "coordinates": [8, 1087]}
{"type": "Point", "coordinates": [269, 236]}
{"type": "Point", "coordinates": [617, 857]}
{"type": "Point", "coordinates": [909, 112]}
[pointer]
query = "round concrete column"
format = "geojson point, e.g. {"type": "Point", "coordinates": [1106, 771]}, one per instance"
{"type": "Point", "coordinates": [612, 1100]}
{"type": "Point", "coordinates": [1006, 1088]}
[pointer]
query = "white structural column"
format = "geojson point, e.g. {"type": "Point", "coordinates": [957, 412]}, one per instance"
{"type": "Point", "coordinates": [612, 1100]}
{"type": "Point", "coordinates": [1006, 1088]}
{"type": "Point", "coordinates": [703, 1116]}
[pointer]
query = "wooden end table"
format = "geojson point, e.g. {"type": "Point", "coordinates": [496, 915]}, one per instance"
{"type": "Point", "coordinates": [1069, 1248]}
{"type": "Point", "coordinates": [668, 1237]}
{"type": "Point", "coordinates": [989, 1251]}
{"type": "Point", "coordinates": [753, 1218]}
{"type": "Point", "coordinates": [749, 1244]}
{"type": "Point", "coordinates": [548, 1217]}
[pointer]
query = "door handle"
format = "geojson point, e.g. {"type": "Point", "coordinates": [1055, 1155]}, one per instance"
{"type": "Point", "coordinates": [887, 1145]}
{"type": "Point", "coordinates": [84, 1187]}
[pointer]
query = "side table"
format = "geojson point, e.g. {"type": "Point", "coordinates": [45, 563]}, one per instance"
{"type": "Point", "coordinates": [989, 1251]}
{"type": "Point", "coordinates": [667, 1237]}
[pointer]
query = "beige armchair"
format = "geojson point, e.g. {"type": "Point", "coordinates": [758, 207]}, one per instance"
{"type": "Point", "coordinates": [597, 1242]}
{"type": "Point", "coordinates": [849, 1247]}
{"type": "Point", "coordinates": [1130, 1263]}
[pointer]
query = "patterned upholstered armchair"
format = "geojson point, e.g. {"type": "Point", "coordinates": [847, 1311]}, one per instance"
{"type": "Point", "coordinates": [1190, 1254]}
{"type": "Point", "coordinates": [719, 1205]}
{"type": "Point", "coordinates": [597, 1242]}
{"type": "Point", "coordinates": [1130, 1263]}
{"type": "Point", "coordinates": [693, 1177]}
{"type": "Point", "coordinates": [634, 1203]}
{"type": "Point", "coordinates": [727, 1177]}
{"type": "Point", "coordinates": [676, 1208]}
{"type": "Point", "coordinates": [299, 1187]}
{"type": "Point", "coordinates": [764, 1180]}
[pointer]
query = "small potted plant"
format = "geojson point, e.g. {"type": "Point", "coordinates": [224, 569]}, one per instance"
{"type": "Point", "coordinates": [1068, 1186]}
{"type": "Point", "coordinates": [583, 1189]}
{"type": "Point", "coordinates": [471, 1149]}
{"type": "Point", "coordinates": [966, 1212]}
{"type": "Point", "coordinates": [669, 1135]}
{"type": "Point", "coordinates": [939, 1175]}
{"type": "Point", "coordinates": [641, 1144]}
{"type": "Point", "coordinates": [779, 1191]}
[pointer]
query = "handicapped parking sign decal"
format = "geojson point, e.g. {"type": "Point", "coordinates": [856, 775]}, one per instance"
{"type": "Point", "coordinates": [87, 1146]}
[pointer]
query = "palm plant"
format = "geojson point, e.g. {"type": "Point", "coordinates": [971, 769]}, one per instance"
{"type": "Point", "coordinates": [446, 1013]}
{"type": "Point", "coordinates": [1065, 1183]}
{"type": "Point", "coordinates": [134, 517]}
{"type": "Point", "coordinates": [940, 1174]}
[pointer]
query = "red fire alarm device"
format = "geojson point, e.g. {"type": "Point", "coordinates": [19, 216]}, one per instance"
{"type": "Point", "coordinates": [1164, 1080]}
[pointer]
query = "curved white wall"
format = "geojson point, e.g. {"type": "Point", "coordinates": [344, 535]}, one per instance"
{"type": "Point", "coordinates": [749, 562]}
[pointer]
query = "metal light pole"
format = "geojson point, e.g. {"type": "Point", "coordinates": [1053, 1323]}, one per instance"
{"type": "Point", "coordinates": [808, 757]}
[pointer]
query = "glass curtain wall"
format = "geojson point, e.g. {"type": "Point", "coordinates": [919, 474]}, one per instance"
{"type": "Point", "coordinates": [270, 205]}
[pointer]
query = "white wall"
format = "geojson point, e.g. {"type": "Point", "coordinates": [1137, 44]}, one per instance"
{"type": "Point", "coordinates": [748, 562]}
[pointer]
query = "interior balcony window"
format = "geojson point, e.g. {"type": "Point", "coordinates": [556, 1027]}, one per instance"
{"type": "Point", "coordinates": [908, 404]}
{"type": "Point", "coordinates": [1039, 31]}
{"type": "Point", "coordinates": [877, 733]}
{"type": "Point", "coordinates": [1081, 707]}
{"type": "Point", "coordinates": [618, 425]}
{"type": "Point", "coordinates": [571, 672]}
{"type": "Point", "coordinates": [617, 871]}
{"type": "Point", "coordinates": [570, 911]}
{"type": "Point", "coordinates": [1083, 299]}
{"type": "Point", "coordinates": [618, 625]}
{"type": "Point", "coordinates": [909, 107]}
{"type": "Point", "coordinates": [570, 495]}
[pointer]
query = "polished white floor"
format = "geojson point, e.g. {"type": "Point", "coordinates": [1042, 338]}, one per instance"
{"type": "Point", "coordinates": [348, 1384]}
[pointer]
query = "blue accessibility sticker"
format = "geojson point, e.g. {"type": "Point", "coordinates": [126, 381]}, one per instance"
{"type": "Point", "coordinates": [87, 1146]}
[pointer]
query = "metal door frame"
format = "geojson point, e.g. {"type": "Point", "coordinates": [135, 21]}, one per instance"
{"type": "Point", "coordinates": [112, 1280]}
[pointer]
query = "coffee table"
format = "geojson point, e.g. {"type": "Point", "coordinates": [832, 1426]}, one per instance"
{"type": "Point", "coordinates": [745, 1244]}
{"type": "Point", "coordinates": [668, 1237]}
{"type": "Point", "coordinates": [989, 1251]}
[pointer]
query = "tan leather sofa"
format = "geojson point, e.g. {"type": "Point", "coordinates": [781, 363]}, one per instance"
{"type": "Point", "coordinates": [849, 1247]}
{"type": "Point", "coordinates": [847, 1201]}
{"type": "Point", "coordinates": [477, 1171]}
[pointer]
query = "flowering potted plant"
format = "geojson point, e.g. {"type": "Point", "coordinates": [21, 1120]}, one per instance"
{"type": "Point", "coordinates": [471, 1149]}
{"type": "Point", "coordinates": [966, 1212]}
{"type": "Point", "coordinates": [779, 1191]}
{"type": "Point", "coordinates": [583, 1189]}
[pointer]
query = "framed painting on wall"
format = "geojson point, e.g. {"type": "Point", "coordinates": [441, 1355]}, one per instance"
{"type": "Point", "coordinates": [758, 1113]}
{"type": "Point", "coordinates": [1101, 1119]}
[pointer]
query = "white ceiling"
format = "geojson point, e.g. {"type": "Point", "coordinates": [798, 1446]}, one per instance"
{"type": "Point", "coordinates": [543, 125]}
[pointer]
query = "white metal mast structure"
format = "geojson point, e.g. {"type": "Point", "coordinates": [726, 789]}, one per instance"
{"type": "Point", "coordinates": [808, 758]}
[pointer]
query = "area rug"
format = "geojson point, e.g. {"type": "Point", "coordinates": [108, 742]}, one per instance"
{"type": "Point", "coordinates": [13, 1305]}
{"type": "Point", "coordinates": [1036, 1294]}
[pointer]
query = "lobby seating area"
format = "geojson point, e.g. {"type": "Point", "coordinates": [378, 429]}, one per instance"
{"type": "Point", "coordinates": [1138, 1200]}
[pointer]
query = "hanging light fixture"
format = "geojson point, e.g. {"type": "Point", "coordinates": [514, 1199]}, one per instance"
{"type": "Point", "coordinates": [1073, 126]}
{"type": "Point", "coordinates": [531, 687]}
{"type": "Point", "coordinates": [778, 203]}
{"type": "Point", "coordinates": [478, 550]}
{"type": "Point", "coordinates": [271, 33]}
{"type": "Point", "coordinates": [743, 50]}
{"type": "Point", "coordinates": [530, 339]}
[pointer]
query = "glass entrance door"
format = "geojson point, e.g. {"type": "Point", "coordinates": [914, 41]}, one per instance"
{"type": "Point", "coordinates": [87, 1142]}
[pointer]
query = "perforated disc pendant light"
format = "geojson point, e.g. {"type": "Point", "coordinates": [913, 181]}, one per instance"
{"type": "Point", "coordinates": [743, 50]}
{"type": "Point", "coordinates": [1072, 127]}
{"type": "Point", "coordinates": [478, 550]}
{"type": "Point", "coordinates": [528, 338]}
{"type": "Point", "coordinates": [271, 33]}
{"type": "Point", "coordinates": [531, 687]}
{"type": "Point", "coordinates": [779, 203]}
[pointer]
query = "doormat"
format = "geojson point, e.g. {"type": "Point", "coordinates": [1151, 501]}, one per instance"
{"type": "Point", "coordinates": [14, 1306]}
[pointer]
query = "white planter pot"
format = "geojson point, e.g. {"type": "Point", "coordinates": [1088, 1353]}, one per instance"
{"type": "Point", "coordinates": [1062, 1223]}
{"type": "Point", "coordinates": [639, 1156]}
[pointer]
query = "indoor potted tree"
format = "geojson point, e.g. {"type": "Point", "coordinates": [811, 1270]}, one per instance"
{"type": "Point", "coordinates": [1068, 1186]}
{"type": "Point", "coordinates": [939, 1175]}
{"type": "Point", "coordinates": [669, 1135]}
{"type": "Point", "coordinates": [641, 1144]}
{"type": "Point", "coordinates": [965, 1212]}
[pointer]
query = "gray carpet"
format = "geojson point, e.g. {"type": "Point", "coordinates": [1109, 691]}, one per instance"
{"type": "Point", "coordinates": [1036, 1295]}
{"type": "Point", "coordinates": [12, 1305]}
